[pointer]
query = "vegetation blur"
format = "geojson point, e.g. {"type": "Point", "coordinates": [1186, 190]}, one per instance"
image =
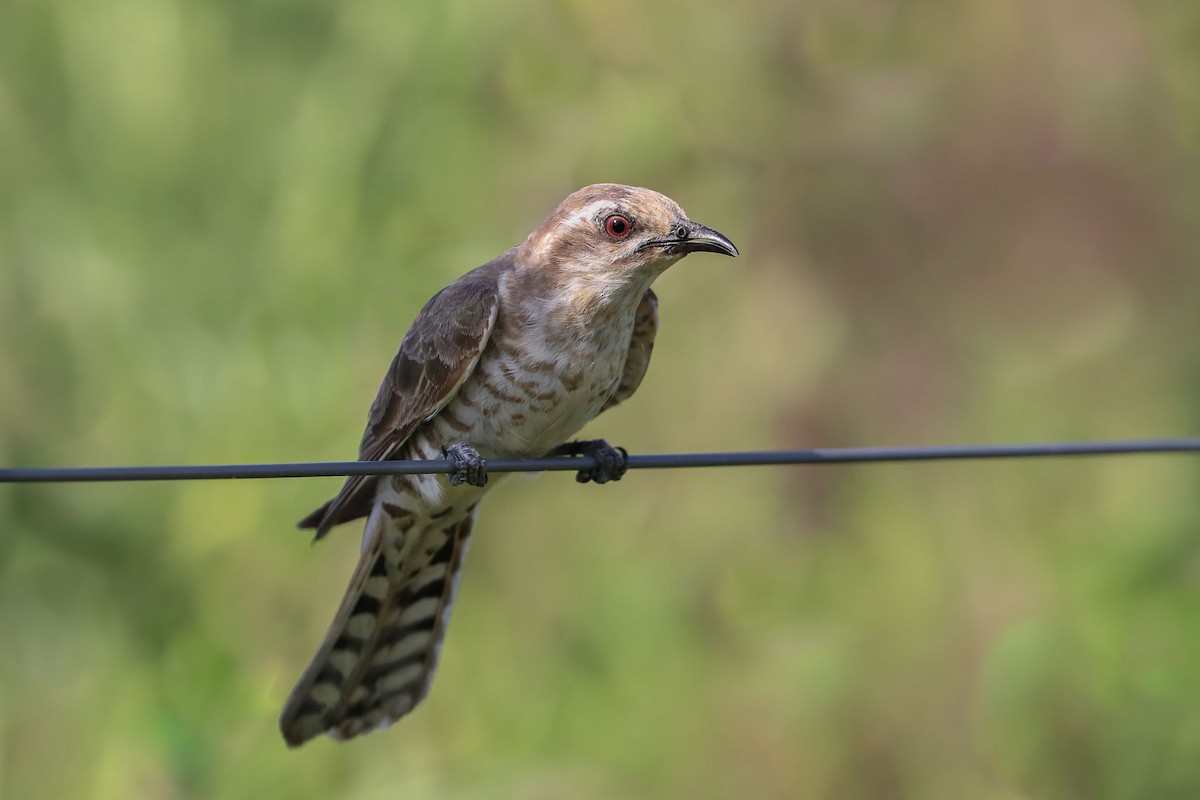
{"type": "Point", "coordinates": [970, 222]}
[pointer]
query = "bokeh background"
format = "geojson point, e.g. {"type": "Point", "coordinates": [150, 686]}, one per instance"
{"type": "Point", "coordinates": [971, 222]}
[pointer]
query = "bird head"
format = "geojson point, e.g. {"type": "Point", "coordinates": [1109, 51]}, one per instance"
{"type": "Point", "coordinates": [611, 232]}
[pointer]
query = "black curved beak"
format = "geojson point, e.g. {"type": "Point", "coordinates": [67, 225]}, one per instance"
{"type": "Point", "coordinates": [692, 237]}
{"type": "Point", "coordinates": [704, 239]}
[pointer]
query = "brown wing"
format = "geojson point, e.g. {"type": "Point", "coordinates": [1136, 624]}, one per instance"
{"type": "Point", "coordinates": [438, 353]}
{"type": "Point", "coordinates": [641, 345]}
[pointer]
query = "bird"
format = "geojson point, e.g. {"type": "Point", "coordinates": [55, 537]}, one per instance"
{"type": "Point", "coordinates": [508, 361]}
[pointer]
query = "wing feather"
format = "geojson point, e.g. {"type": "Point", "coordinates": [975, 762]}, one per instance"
{"type": "Point", "coordinates": [641, 345]}
{"type": "Point", "coordinates": [437, 354]}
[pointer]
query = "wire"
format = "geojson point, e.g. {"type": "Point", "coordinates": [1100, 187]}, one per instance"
{"type": "Point", "coordinates": [573, 463]}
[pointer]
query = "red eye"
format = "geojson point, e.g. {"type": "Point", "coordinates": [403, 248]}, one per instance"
{"type": "Point", "coordinates": [617, 226]}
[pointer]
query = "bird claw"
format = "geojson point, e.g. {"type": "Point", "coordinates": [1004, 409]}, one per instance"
{"type": "Point", "coordinates": [469, 466]}
{"type": "Point", "coordinates": [611, 461]}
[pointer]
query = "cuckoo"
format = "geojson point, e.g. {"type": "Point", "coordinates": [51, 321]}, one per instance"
{"type": "Point", "coordinates": [510, 360]}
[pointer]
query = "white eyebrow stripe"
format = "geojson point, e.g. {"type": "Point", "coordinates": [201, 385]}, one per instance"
{"type": "Point", "coordinates": [593, 210]}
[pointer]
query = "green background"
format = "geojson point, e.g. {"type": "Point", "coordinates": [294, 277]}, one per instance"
{"type": "Point", "coordinates": [960, 222]}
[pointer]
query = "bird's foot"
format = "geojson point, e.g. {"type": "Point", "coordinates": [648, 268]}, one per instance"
{"type": "Point", "coordinates": [469, 466]}
{"type": "Point", "coordinates": [611, 461]}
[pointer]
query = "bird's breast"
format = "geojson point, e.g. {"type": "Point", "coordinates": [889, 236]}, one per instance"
{"type": "Point", "coordinates": [532, 391]}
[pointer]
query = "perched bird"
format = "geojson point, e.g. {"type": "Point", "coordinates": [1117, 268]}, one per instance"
{"type": "Point", "coordinates": [510, 360]}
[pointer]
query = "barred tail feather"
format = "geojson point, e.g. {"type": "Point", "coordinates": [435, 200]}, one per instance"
{"type": "Point", "coordinates": [378, 658]}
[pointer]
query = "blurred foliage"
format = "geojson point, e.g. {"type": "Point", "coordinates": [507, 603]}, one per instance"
{"type": "Point", "coordinates": [959, 222]}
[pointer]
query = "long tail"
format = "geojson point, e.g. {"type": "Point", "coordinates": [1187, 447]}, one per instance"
{"type": "Point", "coordinates": [377, 660]}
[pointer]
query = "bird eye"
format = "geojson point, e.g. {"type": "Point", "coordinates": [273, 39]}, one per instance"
{"type": "Point", "coordinates": [617, 226]}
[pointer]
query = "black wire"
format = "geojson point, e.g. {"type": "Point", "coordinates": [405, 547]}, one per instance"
{"type": "Point", "coordinates": [572, 463]}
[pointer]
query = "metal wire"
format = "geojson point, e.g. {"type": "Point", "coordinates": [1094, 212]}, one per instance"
{"type": "Point", "coordinates": [857, 455]}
